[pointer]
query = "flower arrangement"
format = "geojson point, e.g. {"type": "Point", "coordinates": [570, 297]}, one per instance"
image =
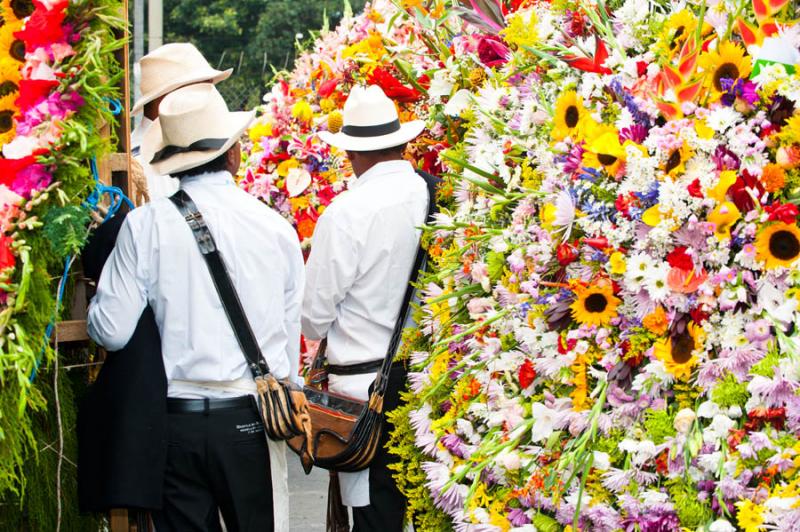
{"type": "Point", "coordinates": [57, 76]}
{"type": "Point", "coordinates": [286, 165]}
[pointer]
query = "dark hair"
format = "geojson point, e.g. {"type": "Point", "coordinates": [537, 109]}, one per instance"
{"type": "Point", "coordinates": [217, 165]}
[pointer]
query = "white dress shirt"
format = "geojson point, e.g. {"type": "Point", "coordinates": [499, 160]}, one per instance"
{"type": "Point", "coordinates": [158, 186]}
{"type": "Point", "coordinates": [356, 276]}
{"type": "Point", "coordinates": [156, 260]}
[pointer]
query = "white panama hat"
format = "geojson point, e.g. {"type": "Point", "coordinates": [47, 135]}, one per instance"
{"type": "Point", "coordinates": [371, 123]}
{"type": "Point", "coordinates": [172, 66]}
{"type": "Point", "coordinates": [194, 127]}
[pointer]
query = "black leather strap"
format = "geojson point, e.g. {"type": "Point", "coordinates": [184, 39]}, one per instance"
{"type": "Point", "coordinates": [355, 369]}
{"type": "Point", "coordinates": [195, 406]}
{"type": "Point", "coordinates": [222, 281]}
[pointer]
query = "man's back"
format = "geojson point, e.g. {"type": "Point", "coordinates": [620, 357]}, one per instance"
{"type": "Point", "coordinates": [263, 258]}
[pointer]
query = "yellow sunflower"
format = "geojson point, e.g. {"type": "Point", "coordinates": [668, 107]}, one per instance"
{"type": "Point", "coordinates": [7, 112]}
{"type": "Point", "coordinates": [729, 61]}
{"type": "Point", "coordinates": [10, 46]}
{"type": "Point", "coordinates": [569, 117]}
{"type": "Point", "coordinates": [678, 352]}
{"type": "Point", "coordinates": [595, 305]}
{"type": "Point", "coordinates": [778, 245]}
{"type": "Point", "coordinates": [9, 75]}
{"type": "Point", "coordinates": [676, 30]}
{"type": "Point", "coordinates": [675, 165]}
{"type": "Point", "coordinates": [14, 10]}
{"type": "Point", "coordinates": [605, 151]}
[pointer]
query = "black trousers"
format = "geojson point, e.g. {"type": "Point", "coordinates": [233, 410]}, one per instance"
{"type": "Point", "coordinates": [216, 462]}
{"type": "Point", "coordinates": [387, 506]}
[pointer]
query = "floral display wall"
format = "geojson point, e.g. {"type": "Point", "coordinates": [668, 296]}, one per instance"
{"type": "Point", "coordinates": [607, 338]}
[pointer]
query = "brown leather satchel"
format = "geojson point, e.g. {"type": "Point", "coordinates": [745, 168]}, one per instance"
{"type": "Point", "coordinates": [282, 404]}
{"type": "Point", "coordinates": [345, 432]}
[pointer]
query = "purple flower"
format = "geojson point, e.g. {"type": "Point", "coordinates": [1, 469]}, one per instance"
{"type": "Point", "coordinates": [758, 331]}
{"type": "Point", "coordinates": [518, 517]}
{"type": "Point", "coordinates": [725, 159]}
{"type": "Point", "coordinates": [455, 445]}
{"type": "Point", "coordinates": [743, 89]}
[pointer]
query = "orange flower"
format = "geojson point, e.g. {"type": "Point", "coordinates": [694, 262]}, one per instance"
{"type": "Point", "coordinates": [773, 178]}
{"type": "Point", "coordinates": [656, 322]}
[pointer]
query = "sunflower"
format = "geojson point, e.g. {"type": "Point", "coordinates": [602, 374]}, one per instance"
{"type": "Point", "coordinates": [9, 76]}
{"type": "Point", "coordinates": [595, 305]}
{"type": "Point", "coordinates": [570, 115]}
{"type": "Point", "coordinates": [605, 151]}
{"type": "Point", "coordinates": [676, 30]}
{"type": "Point", "coordinates": [16, 9]}
{"type": "Point", "coordinates": [10, 46]}
{"type": "Point", "coordinates": [678, 351]}
{"type": "Point", "coordinates": [675, 164]}
{"type": "Point", "coordinates": [778, 245]}
{"type": "Point", "coordinates": [7, 112]}
{"type": "Point", "coordinates": [728, 62]}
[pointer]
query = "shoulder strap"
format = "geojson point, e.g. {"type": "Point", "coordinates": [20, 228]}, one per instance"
{"type": "Point", "coordinates": [222, 282]}
{"type": "Point", "coordinates": [382, 380]}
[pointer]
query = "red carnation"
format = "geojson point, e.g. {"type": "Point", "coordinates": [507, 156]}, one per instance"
{"type": "Point", "coordinates": [526, 374]}
{"type": "Point", "coordinates": [783, 212]}
{"type": "Point", "coordinates": [7, 259]}
{"type": "Point", "coordinates": [678, 258]}
{"type": "Point", "coordinates": [695, 190]}
{"type": "Point", "coordinates": [392, 86]}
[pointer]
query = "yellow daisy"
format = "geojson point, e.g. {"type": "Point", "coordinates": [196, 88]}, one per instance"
{"type": "Point", "coordinates": [778, 245]}
{"type": "Point", "coordinates": [569, 117]}
{"type": "Point", "coordinates": [729, 61]}
{"type": "Point", "coordinates": [749, 516]}
{"type": "Point", "coordinates": [678, 351]}
{"type": "Point", "coordinates": [595, 305]}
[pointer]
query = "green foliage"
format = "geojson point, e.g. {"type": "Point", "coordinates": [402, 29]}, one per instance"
{"type": "Point", "coordinates": [659, 425]}
{"type": "Point", "coordinates": [730, 392]}
{"type": "Point", "coordinates": [253, 37]}
{"type": "Point", "coordinates": [766, 367]}
{"type": "Point", "coordinates": [65, 229]}
{"type": "Point", "coordinates": [691, 511]}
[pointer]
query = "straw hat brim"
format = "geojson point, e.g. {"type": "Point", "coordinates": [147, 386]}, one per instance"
{"type": "Point", "coordinates": [210, 75]}
{"type": "Point", "coordinates": [407, 132]}
{"type": "Point", "coordinates": [180, 162]}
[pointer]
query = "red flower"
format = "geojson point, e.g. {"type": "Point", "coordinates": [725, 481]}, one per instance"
{"type": "Point", "coordinates": [698, 315]}
{"type": "Point", "coordinates": [678, 258]}
{"type": "Point", "coordinates": [566, 254]}
{"type": "Point", "coordinates": [44, 27]}
{"type": "Point", "coordinates": [392, 86]}
{"type": "Point", "coordinates": [492, 52]}
{"type": "Point", "coordinates": [744, 190]}
{"type": "Point", "coordinates": [7, 259]}
{"type": "Point", "coordinates": [783, 212]}
{"type": "Point", "coordinates": [327, 88]}
{"type": "Point", "coordinates": [565, 346]}
{"type": "Point", "coordinates": [526, 374]}
{"type": "Point", "coordinates": [33, 91]}
{"type": "Point", "coordinates": [599, 242]}
{"type": "Point", "coordinates": [325, 195]}
{"type": "Point", "coordinates": [591, 64]}
{"type": "Point", "coordinates": [9, 168]}
{"type": "Point", "coordinates": [695, 190]}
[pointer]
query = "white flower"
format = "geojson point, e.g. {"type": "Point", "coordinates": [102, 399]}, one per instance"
{"type": "Point", "coordinates": [545, 419]}
{"type": "Point", "coordinates": [722, 118]}
{"type": "Point", "coordinates": [683, 420]}
{"type": "Point", "coordinates": [297, 181]}
{"type": "Point", "coordinates": [441, 85]}
{"type": "Point", "coordinates": [602, 461]}
{"type": "Point", "coordinates": [721, 525]}
{"type": "Point", "coordinates": [458, 103]}
{"type": "Point", "coordinates": [655, 281]}
{"type": "Point", "coordinates": [718, 429]}
{"type": "Point", "coordinates": [708, 409]}
{"type": "Point", "coordinates": [641, 451]}
{"type": "Point", "coordinates": [509, 459]}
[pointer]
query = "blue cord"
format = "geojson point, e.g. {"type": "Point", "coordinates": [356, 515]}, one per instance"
{"type": "Point", "coordinates": [117, 197]}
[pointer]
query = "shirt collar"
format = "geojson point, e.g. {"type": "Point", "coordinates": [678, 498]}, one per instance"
{"type": "Point", "coordinates": [209, 178]}
{"type": "Point", "coordinates": [383, 168]}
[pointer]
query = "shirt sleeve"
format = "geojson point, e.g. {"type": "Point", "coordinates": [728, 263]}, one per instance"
{"type": "Point", "coordinates": [330, 272]}
{"type": "Point", "coordinates": [121, 295]}
{"type": "Point", "coordinates": [293, 303]}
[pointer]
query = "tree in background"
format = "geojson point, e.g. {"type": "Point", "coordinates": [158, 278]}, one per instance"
{"type": "Point", "coordinates": [254, 37]}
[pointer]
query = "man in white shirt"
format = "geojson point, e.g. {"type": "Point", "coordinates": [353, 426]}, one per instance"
{"type": "Point", "coordinates": [163, 70]}
{"type": "Point", "coordinates": [356, 276]}
{"type": "Point", "coordinates": [218, 459]}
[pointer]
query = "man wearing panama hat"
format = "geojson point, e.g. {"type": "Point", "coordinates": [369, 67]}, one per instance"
{"type": "Point", "coordinates": [364, 248]}
{"type": "Point", "coordinates": [164, 70]}
{"type": "Point", "coordinates": [217, 458]}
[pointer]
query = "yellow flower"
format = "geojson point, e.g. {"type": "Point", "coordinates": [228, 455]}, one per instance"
{"type": "Point", "coordinates": [302, 111]}
{"type": "Point", "coordinates": [570, 115]}
{"type": "Point", "coordinates": [259, 131]}
{"type": "Point", "coordinates": [723, 217]}
{"type": "Point", "coordinates": [285, 166]}
{"type": "Point", "coordinates": [595, 305]}
{"type": "Point", "coordinates": [676, 30]}
{"type": "Point", "coordinates": [678, 352]}
{"type": "Point", "coordinates": [299, 203]}
{"type": "Point", "coordinates": [727, 62]}
{"type": "Point", "coordinates": [9, 75]}
{"type": "Point", "coordinates": [652, 216]}
{"type": "Point", "coordinates": [10, 46]}
{"type": "Point", "coordinates": [749, 515]}
{"type": "Point", "coordinates": [617, 263]}
{"type": "Point", "coordinates": [371, 48]}
{"type": "Point", "coordinates": [16, 10]}
{"type": "Point", "coordinates": [605, 151]}
{"type": "Point", "coordinates": [702, 129]}
{"type": "Point", "coordinates": [778, 245]}
{"type": "Point", "coordinates": [726, 180]}
{"type": "Point", "coordinates": [548, 215]}
{"type": "Point", "coordinates": [7, 112]}
{"type": "Point", "coordinates": [335, 121]}
{"type": "Point", "coordinates": [676, 162]}
{"type": "Point", "coordinates": [327, 105]}
{"type": "Point", "coordinates": [521, 29]}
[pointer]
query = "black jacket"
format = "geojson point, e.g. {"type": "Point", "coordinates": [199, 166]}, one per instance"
{"type": "Point", "coordinates": [122, 420]}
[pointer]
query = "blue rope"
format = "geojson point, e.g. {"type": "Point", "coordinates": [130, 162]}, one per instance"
{"type": "Point", "coordinates": [118, 198]}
